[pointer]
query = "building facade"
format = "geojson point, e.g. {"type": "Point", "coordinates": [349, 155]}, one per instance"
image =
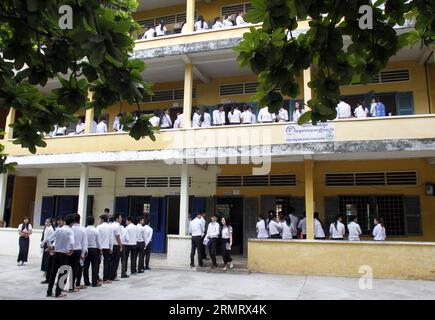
{"type": "Point", "coordinates": [367, 167]}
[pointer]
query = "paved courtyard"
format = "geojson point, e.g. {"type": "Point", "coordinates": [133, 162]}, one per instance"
{"type": "Point", "coordinates": [165, 284]}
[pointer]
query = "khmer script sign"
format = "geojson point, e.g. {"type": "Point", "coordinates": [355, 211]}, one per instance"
{"type": "Point", "coordinates": [322, 132]}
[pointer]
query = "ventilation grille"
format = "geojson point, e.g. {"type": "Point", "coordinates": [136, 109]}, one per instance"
{"type": "Point", "coordinates": [73, 182]}
{"type": "Point", "coordinates": [390, 76]}
{"type": "Point", "coordinates": [170, 19]}
{"type": "Point", "coordinates": [168, 95]}
{"type": "Point", "coordinates": [235, 9]}
{"type": "Point", "coordinates": [257, 181]}
{"type": "Point", "coordinates": [238, 88]}
{"type": "Point", "coordinates": [371, 178]}
{"type": "Point", "coordinates": [154, 182]}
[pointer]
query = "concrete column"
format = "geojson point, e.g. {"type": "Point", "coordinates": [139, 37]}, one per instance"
{"type": "Point", "coordinates": [89, 120]}
{"type": "Point", "coordinates": [307, 89]}
{"type": "Point", "coordinates": [187, 102]}
{"type": "Point", "coordinates": [3, 187]}
{"type": "Point", "coordinates": [190, 15]}
{"type": "Point", "coordinates": [309, 197]}
{"type": "Point", "coordinates": [83, 193]}
{"type": "Point", "coordinates": [9, 120]}
{"type": "Point", "coordinates": [184, 200]}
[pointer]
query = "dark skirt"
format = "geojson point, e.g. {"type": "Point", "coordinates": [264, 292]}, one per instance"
{"type": "Point", "coordinates": [45, 256]}
{"type": "Point", "coordinates": [24, 249]}
{"type": "Point", "coordinates": [276, 236]}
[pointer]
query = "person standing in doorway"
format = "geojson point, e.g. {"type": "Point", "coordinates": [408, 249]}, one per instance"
{"type": "Point", "coordinates": [226, 238]}
{"type": "Point", "coordinates": [302, 226]}
{"type": "Point", "coordinates": [47, 232]}
{"type": "Point", "coordinates": [379, 232]}
{"type": "Point", "coordinates": [105, 232]}
{"type": "Point", "coordinates": [24, 231]}
{"type": "Point", "coordinates": [196, 230]}
{"type": "Point", "coordinates": [354, 229]}
{"type": "Point", "coordinates": [129, 242]}
{"type": "Point", "coordinates": [141, 245]}
{"type": "Point", "coordinates": [319, 234]}
{"type": "Point", "coordinates": [148, 243]}
{"type": "Point", "coordinates": [212, 237]}
{"type": "Point", "coordinates": [337, 229]}
{"type": "Point", "coordinates": [261, 227]}
{"type": "Point", "coordinates": [94, 250]}
{"type": "Point", "coordinates": [117, 246]}
{"type": "Point", "coordinates": [80, 251]}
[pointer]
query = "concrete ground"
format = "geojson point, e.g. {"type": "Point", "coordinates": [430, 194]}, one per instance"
{"type": "Point", "coordinates": [168, 284]}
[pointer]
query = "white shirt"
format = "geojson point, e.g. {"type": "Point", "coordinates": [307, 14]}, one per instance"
{"type": "Point", "coordinates": [297, 114]}
{"type": "Point", "coordinates": [196, 227]}
{"type": "Point", "coordinates": [303, 226]}
{"type": "Point", "coordinates": [130, 236]}
{"type": "Point", "coordinates": [240, 21]}
{"type": "Point", "coordinates": [373, 108]}
{"type": "Point", "coordinates": [179, 121]}
{"type": "Point", "coordinates": [360, 112]}
{"type": "Point", "coordinates": [106, 235]}
{"type": "Point", "coordinates": [80, 128]}
{"type": "Point", "coordinates": [235, 116]}
{"type": "Point", "coordinates": [63, 238]}
{"type": "Point", "coordinates": [80, 239]}
{"type": "Point", "coordinates": [196, 120]}
{"type": "Point", "coordinates": [247, 116]}
{"type": "Point", "coordinates": [48, 231]}
{"type": "Point", "coordinates": [294, 224]}
{"type": "Point", "coordinates": [149, 234]}
{"type": "Point", "coordinates": [155, 121]}
{"type": "Point", "coordinates": [93, 237]}
{"type": "Point", "coordinates": [218, 25]}
{"type": "Point", "coordinates": [379, 233]}
{"type": "Point", "coordinates": [212, 230]}
{"type": "Point", "coordinates": [282, 115]}
{"type": "Point", "coordinates": [203, 224]}
{"type": "Point", "coordinates": [228, 23]}
{"type": "Point", "coordinates": [286, 231]}
{"type": "Point", "coordinates": [274, 228]}
{"type": "Point", "coordinates": [354, 231]}
{"type": "Point", "coordinates": [207, 120]}
{"type": "Point", "coordinates": [94, 127]}
{"type": "Point", "coordinates": [159, 30]}
{"type": "Point", "coordinates": [101, 128]}
{"type": "Point", "coordinates": [265, 116]}
{"type": "Point", "coordinates": [184, 28]}
{"type": "Point", "coordinates": [198, 26]}
{"type": "Point", "coordinates": [318, 230]}
{"type": "Point", "coordinates": [140, 233]}
{"type": "Point", "coordinates": [337, 233]}
{"type": "Point", "coordinates": [226, 232]}
{"type": "Point", "coordinates": [218, 117]}
{"type": "Point", "coordinates": [262, 232]}
{"type": "Point", "coordinates": [166, 121]}
{"type": "Point", "coordinates": [149, 34]}
{"type": "Point", "coordinates": [343, 110]}
{"type": "Point", "coordinates": [116, 230]}
{"type": "Point", "coordinates": [29, 228]}
{"type": "Point", "coordinates": [117, 125]}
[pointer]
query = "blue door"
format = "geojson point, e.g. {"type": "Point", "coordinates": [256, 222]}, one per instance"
{"type": "Point", "coordinates": [404, 103]}
{"type": "Point", "coordinates": [47, 209]}
{"type": "Point", "coordinates": [158, 223]}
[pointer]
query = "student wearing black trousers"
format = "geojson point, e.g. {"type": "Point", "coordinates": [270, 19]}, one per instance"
{"type": "Point", "coordinates": [94, 249]}
{"type": "Point", "coordinates": [60, 222]}
{"type": "Point", "coordinates": [80, 251]}
{"type": "Point", "coordinates": [105, 233]}
{"type": "Point", "coordinates": [129, 243]}
{"type": "Point", "coordinates": [212, 235]}
{"type": "Point", "coordinates": [47, 232]}
{"type": "Point", "coordinates": [148, 243]}
{"type": "Point", "coordinates": [117, 246]}
{"type": "Point", "coordinates": [226, 239]}
{"type": "Point", "coordinates": [24, 230]}
{"type": "Point", "coordinates": [141, 245]}
{"type": "Point", "coordinates": [196, 230]}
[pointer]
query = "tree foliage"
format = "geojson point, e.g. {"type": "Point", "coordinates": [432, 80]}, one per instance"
{"type": "Point", "coordinates": [93, 56]}
{"type": "Point", "coordinates": [278, 54]}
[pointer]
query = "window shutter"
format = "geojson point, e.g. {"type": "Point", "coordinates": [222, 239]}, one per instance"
{"type": "Point", "coordinates": [121, 206]}
{"type": "Point", "coordinates": [47, 209]}
{"type": "Point", "coordinates": [404, 103]}
{"type": "Point", "coordinates": [412, 215]}
{"type": "Point", "coordinates": [90, 206]}
{"type": "Point", "coordinates": [332, 209]}
{"type": "Point", "coordinates": [66, 205]}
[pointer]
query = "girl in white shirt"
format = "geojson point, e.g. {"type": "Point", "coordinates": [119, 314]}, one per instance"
{"type": "Point", "coordinates": [274, 226]}
{"type": "Point", "coordinates": [47, 232]}
{"type": "Point", "coordinates": [226, 239]}
{"type": "Point", "coordinates": [227, 22]}
{"type": "Point", "coordinates": [218, 23]}
{"type": "Point", "coordinates": [298, 112]}
{"type": "Point", "coordinates": [261, 227]}
{"type": "Point", "coordinates": [24, 230]}
{"type": "Point", "coordinates": [286, 228]}
{"type": "Point", "coordinates": [379, 232]}
{"type": "Point", "coordinates": [184, 28]}
{"type": "Point", "coordinates": [149, 34]}
{"type": "Point", "coordinates": [319, 234]}
{"type": "Point", "coordinates": [354, 229]}
{"type": "Point", "coordinates": [201, 25]}
{"type": "Point", "coordinates": [337, 229]}
{"type": "Point", "coordinates": [234, 116]}
{"type": "Point", "coordinates": [161, 29]}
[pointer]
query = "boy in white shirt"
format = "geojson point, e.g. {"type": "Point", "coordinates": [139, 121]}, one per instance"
{"type": "Point", "coordinates": [354, 229]}
{"type": "Point", "coordinates": [212, 236]}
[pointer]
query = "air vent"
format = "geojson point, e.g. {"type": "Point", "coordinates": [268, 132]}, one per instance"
{"type": "Point", "coordinates": [230, 89]}
{"type": "Point", "coordinates": [165, 95]}
{"type": "Point", "coordinates": [251, 87]}
{"type": "Point", "coordinates": [95, 182]}
{"type": "Point", "coordinates": [235, 9]}
{"type": "Point", "coordinates": [402, 178]}
{"type": "Point", "coordinates": [229, 181]}
{"type": "Point", "coordinates": [134, 182]}
{"type": "Point", "coordinates": [370, 179]}
{"type": "Point", "coordinates": [168, 95]}
{"type": "Point", "coordinates": [253, 181]}
{"type": "Point", "coordinates": [395, 75]}
{"type": "Point", "coordinates": [72, 182]}
{"type": "Point", "coordinates": [157, 182]}
{"type": "Point", "coordinates": [171, 19]}
{"type": "Point", "coordinates": [339, 179]}
{"type": "Point", "coordinates": [283, 180]}
{"type": "Point", "coordinates": [56, 183]}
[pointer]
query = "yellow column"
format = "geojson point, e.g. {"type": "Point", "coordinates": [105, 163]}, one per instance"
{"type": "Point", "coordinates": [9, 120]}
{"type": "Point", "coordinates": [187, 102]}
{"type": "Point", "coordinates": [309, 198]}
{"type": "Point", "coordinates": [190, 15]}
{"type": "Point", "coordinates": [89, 118]}
{"type": "Point", "coordinates": [307, 89]}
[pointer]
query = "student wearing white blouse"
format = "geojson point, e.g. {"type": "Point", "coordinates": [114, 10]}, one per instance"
{"type": "Point", "coordinates": [201, 25]}
{"type": "Point", "coordinates": [319, 234]}
{"type": "Point", "coordinates": [46, 233]}
{"type": "Point", "coordinates": [219, 116]}
{"type": "Point", "coordinates": [361, 111]}
{"type": "Point", "coordinates": [161, 29]}
{"type": "Point", "coordinates": [234, 116]}
{"type": "Point", "coordinates": [196, 119]}
{"type": "Point", "coordinates": [261, 227]}
{"type": "Point", "coordinates": [130, 248]}
{"type": "Point", "coordinates": [302, 227]}
{"type": "Point", "coordinates": [218, 23]}
{"type": "Point", "coordinates": [264, 116]}
{"type": "Point", "coordinates": [24, 231]}
{"type": "Point", "coordinates": [141, 235]}
{"type": "Point", "coordinates": [149, 34]}
{"type": "Point", "coordinates": [227, 22]}
{"type": "Point", "coordinates": [155, 119]}
{"type": "Point", "coordinates": [337, 229]}
{"type": "Point", "coordinates": [239, 20]}
{"type": "Point", "coordinates": [166, 121]}
{"type": "Point", "coordinates": [354, 229]}
{"type": "Point", "coordinates": [379, 232]}
{"type": "Point", "coordinates": [179, 122]}
{"type": "Point", "coordinates": [286, 228]}
{"type": "Point", "coordinates": [294, 222]}
{"type": "Point", "coordinates": [226, 233]}
{"type": "Point", "coordinates": [282, 115]}
{"type": "Point", "coordinates": [298, 112]}
{"type": "Point", "coordinates": [247, 116]}
{"type": "Point", "coordinates": [93, 257]}
{"type": "Point", "coordinates": [205, 119]}
{"type": "Point", "coordinates": [275, 227]}
{"type": "Point", "coordinates": [148, 243]}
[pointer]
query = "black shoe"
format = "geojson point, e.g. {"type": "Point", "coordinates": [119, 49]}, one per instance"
{"type": "Point", "coordinates": [140, 271]}
{"type": "Point", "coordinates": [147, 268]}
{"type": "Point", "coordinates": [44, 282]}
{"type": "Point", "coordinates": [115, 279]}
{"type": "Point", "coordinates": [87, 284]}
{"type": "Point", "coordinates": [124, 276]}
{"type": "Point", "coordinates": [192, 266]}
{"type": "Point", "coordinates": [49, 294]}
{"type": "Point", "coordinates": [204, 258]}
{"type": "Point", "coordinates": [201, 266]}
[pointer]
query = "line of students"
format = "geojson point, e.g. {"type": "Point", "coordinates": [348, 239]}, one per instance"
{"type": "Point", "coordinates": [77, 248]}
{"type": "Point", "coordinates": [217, 237]}
{"type": "Point", "coordinates": [287, 226]}
{"type": "Point", "coordinates": [344, 110]}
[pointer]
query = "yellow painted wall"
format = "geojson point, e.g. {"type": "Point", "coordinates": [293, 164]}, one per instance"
{"type": "Point", "coordinates": [431, 84]}
{"type": "Point", "coordinates": [23, 199]}
{"type": "Point", "coordinates": [343, 258]}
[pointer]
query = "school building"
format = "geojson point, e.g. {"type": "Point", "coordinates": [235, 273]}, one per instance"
{"type": "Point", "coordinates": [368, 167]}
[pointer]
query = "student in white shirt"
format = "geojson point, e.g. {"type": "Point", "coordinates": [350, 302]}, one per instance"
{"type": "Point", "coordinates": [354, 229]}
{"type": "Point", "coordinates": [319, 234]}
{"type": "Point", "coordinates": [294, 222]}
{"type": "Point", "coordinates": [261, 227]}
{"type": "Point", "coordinates": [161, 29]}
{"type": "Point", "coordinates": [166, 122]}
{"type": "Point", "coordinates": [80, 251]}
{"type": "Point", "coordinates": [234, 116]}
{"type": "Point", "coordinates": [148, 243]}
{"type": "Point", "coordinates": [178, 124]}
{"type": "Point", "coordinates": [141, 245]}
{"type": "Point", "coordinates": [201, 25]}
{"type": "Point", "coordinates": [150, 33]}
{"type": "Point", "coordinates": [361, 111]}
{"type": "Point", "coordinates": [184, 28]}
{"type": "Point", "coordinates": [205, 119]}
{"type": "Point", "coordinates": [218, 23]}
{"type": "Point", "coordinates": [80, 126]}
{"type": "Point", "coordinates": [297, 112]}
{"type": "Point", "coordinates": [94, 251]}
{"type": "Point", "coordinates": [344, 111]}
{"type": "Point", "coordinates": [196, 230]}
{"type": "Point", "coordinates": [129, 244]}
{"type": "Point", "coordinates": [337, 229]}
{"type": "Point", "coordinates": [226, 236]}
{"type": "Point", "coordinates": [212, 237]}
{"type": "Point", "coordinates": [155, 119]}
{"type": "Point", "coordinates": [115, 234]}
{"type": "Point", "coordinates": [282, 115]}
{"type": "Point", "coordinates": [24, 231]}
{"type": "Point", "coordinates": [117, 125]}
{"type": "Point", "coordinates": [204, 248]}
{"type": "Point", "coordinates": [94, 126]}
{"type": "Point", "coordinates": [227, 22]}
{"type": "Point", "coordinates": [247, 115]}
{"type": "Point", "coordinates": [302, 227]}
{"type": "Point", "coordinates": [379, 233]}
{"type": "Point", "coordinates": [275, 228]}
{"type": "Point", "coordinates": [219, 116]}
{"type": "Point", "coordinates": [106, 242]}
{"type": "Point", "coordinates": [47, 232]}
{"type": "Point", "coordinates": [196, 119]}
{"type": "Point", "coordinates": [286, 228]}
{"type": "Point", "coordinates": [102, 126]}
{"type": "Point", "coordinates": [264, 116]}
{"type": "Point", "coordinates": [239, 20]}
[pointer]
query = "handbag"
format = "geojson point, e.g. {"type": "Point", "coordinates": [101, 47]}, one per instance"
{"type": "Point", "coordinates": [206, 241]}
